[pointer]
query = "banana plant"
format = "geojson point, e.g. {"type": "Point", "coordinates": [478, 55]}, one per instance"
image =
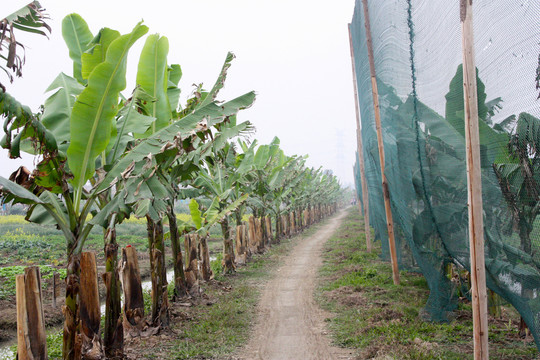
{"type": "Point", "coordinates": [90, 121]}
{"type": "Point", "coordinates": [216, 180]}
{"type": "Point", "coordinates": [96, 105]}
{"type": "Point", "coordinates": [519, 178]}
{"type": "Point", "coordinates": [268, 164]}
{"type": "Point", "coordinates": [153, 77]}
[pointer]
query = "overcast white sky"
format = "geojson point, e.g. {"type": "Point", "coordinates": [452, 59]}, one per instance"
{"type": "Point", "coordinates": [294, 53]}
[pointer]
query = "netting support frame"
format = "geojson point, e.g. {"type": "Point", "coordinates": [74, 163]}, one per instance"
{"type": "Point", "coordinates": [385, 190]}
{"type": "Point", "coordinates": [365, 196]}
{"type": "Point", "coordinates": [474, 186]}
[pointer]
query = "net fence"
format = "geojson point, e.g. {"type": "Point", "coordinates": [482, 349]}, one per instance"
{"type": "Point", "coordinates": [418, 56]}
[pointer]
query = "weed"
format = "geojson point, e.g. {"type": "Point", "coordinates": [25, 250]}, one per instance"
{"type": "Point", "coordinates": [380, 319]}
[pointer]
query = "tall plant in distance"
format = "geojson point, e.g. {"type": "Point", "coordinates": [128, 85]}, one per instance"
{"type": "Point", "coordinates": [216, 181]}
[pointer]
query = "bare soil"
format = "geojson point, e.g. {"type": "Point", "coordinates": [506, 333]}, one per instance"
{"type": "Point", "coordinates": [290, 324]}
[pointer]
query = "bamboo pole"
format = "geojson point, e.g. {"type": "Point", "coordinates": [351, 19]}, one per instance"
{"type": "Point", "coordinates": [386, 193]}
{"type": "Point", "coordinates": [474, 186]}
{"type": "Point", "coordinates": [360, 150]}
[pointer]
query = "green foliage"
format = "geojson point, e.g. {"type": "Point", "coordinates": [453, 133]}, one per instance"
{"type": "Point", "coordinates": [195, 213]}
{"type": "Point", "coordinates": [152, 77]}
{"type": "Point", "coordinates": [95, 108]}
{"type": "Point", "coordinates": [216, 266]}
{"type": "Point", "coordinates": [8, 274]}
{"type": "Point", "coordinates": [374, 316]}
{"type": "Point", "coordinates": [77, 36]}
{"type": "Point", "coordinates": [54, 345]}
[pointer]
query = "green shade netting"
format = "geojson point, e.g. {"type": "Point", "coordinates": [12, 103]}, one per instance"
{"type": "Point", "coordinates": [417, 53]}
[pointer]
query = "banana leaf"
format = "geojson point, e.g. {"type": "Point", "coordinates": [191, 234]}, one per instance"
{"type": "Point", "coordinates": [152, 78]}
{"type": "Point", "coordinates": [97, 51]}
{"type": "Point", "coordinates": [95, 108]}
{"type": "Point", "coordinates": [77, 36]}
{"type": "Point", "coordinates": [165, 138]}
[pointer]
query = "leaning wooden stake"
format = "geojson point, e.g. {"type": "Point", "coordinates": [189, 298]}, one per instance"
{"type": "Point", "coordinates": [365, 198]}
{"type": "Point", "coordinates": [386, 192]}
{"type": "Point", "coordinates": [474, 186]}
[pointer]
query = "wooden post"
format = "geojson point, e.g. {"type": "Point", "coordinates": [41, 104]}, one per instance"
{"type": "Point", "coordinates": [386, 192]}
{"type": "Point", "coordinates": [474, 186]}
{"type": "Point", "coordinates": [31, 336]}
{"type": "Point", "coordinates": [22, 319]}
{"type": "Point", "coordinates": [360, 150]}
{"type": "Point", "coordinates": [56, 281]}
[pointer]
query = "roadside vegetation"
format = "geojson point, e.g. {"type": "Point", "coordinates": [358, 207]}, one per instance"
{"type": "Point", "coordinates": [215, 325]}
{"type": "Point", "coordinates": [381, 320]}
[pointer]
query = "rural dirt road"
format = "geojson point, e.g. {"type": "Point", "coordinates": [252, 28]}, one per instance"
{"type": "Point", "coordinates": [290, 324]}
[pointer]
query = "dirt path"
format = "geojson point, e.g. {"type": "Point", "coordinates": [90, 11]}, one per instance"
{"type": "Point", "coordinates": [290, 324]}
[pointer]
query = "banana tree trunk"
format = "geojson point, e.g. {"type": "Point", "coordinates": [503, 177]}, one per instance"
{"type": "Point", "coordinates": [245, 240]}
{"type": "Point", "coordinates": [192, 269]}
{"type": "Point", "coordinates": [113, 336]}
{"type": "Point", "coordinates": [278, 229]}
{"type": "Point", "coordinates": [264, 232]}
{"type": "Point", "coordinates": [268, 227]}
{"type": "Point", "coordinates": [228, 251]}
{"type": "Point", "coordinates": [206, 270]}
{"type": "Point", "coordinates": [291, 222]}
{"type": "Point", "coordinates": [71, 347]}
{"type": "Point", "coordinates": [238, 216]}
{"type": "Point", "coordinates": [156, 248]}
{"type": "Point", "coordinates": [180, 287]}
{"type": "Point", "coordinates": [259, 234]}
{"type": "Point", "coordinates": [89, 311]}
{"type": "Point", "coordinates": [524, 233]}
{"type": "Point", "coordinates": [252, 243]}
{"type": "Point", "coordinates": [133, 295]}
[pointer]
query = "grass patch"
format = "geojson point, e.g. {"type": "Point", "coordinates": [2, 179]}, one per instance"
{"type": "Point", "coordinates": [382, 320]}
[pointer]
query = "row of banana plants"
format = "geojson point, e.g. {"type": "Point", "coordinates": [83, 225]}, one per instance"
{"type": "Point", "coordinates": [104, 157]}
